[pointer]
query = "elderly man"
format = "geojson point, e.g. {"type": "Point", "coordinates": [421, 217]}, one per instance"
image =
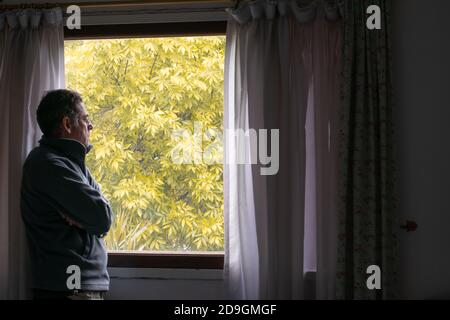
{"type": "Point", "coordinates": [64, 211]}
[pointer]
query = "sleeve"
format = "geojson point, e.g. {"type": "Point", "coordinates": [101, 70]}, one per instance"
{"type": "Point", "coordinates": [92, 181]}
{"type": "Point", "coordinates": [75, 198]}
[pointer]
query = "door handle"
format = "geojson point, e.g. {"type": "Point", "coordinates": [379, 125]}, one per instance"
{"type": "Point", "coordinates": [409, 226]}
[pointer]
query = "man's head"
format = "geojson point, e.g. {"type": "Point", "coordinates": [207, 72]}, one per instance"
{"type": "Point", "coordinates": [62, 114]}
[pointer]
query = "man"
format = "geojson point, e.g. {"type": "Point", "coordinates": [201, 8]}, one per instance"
{"type": "Point", "coordinates": [65, 213]}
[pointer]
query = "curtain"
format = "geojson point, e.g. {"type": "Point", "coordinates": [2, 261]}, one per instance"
{"type": "Point", "coordinates": [32, 62]}
{"type": "Point", "coordinates": [281, 73]}
{"type": "Point", "coordinates": [322, 156]}
{"type": "Point", "coordinates": [366, 197]}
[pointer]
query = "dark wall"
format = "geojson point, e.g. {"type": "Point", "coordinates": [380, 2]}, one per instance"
{"type": "Point", "coordinates": [421, 56]}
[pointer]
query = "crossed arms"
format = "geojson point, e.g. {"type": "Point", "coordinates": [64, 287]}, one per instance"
{"type": "Point", "coordinates": [81, 204]}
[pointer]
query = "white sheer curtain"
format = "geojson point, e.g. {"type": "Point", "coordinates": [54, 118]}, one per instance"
{"type": "Point", "coordinates": [281, 71]}
{"type": "Point", "coordinates": [31, 62]}
{"type": "Point", "coordinates": [323, 157]}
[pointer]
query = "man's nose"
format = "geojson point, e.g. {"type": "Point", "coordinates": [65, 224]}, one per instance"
{"type": "Point", "coordinates": [90, 127]}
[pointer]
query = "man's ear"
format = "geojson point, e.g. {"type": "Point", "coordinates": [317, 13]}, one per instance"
{"type": "Point", "coordinates": [67, 125]}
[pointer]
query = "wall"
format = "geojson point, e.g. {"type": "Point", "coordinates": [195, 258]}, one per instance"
{"type": "Point", "coordinates": [166, 284]}
{"type": "Point", "coordinates": [422, 115]}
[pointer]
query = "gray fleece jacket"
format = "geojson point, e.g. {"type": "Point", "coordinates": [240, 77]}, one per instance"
{"type": "Point", "coordinates": [56, 183]}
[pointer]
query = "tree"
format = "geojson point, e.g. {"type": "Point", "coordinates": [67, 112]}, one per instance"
{"type": "Point", "coordinates": [137, 92]}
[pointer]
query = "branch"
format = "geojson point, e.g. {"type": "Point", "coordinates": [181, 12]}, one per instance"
{"type": "Point", "coordinates": [153, 65]}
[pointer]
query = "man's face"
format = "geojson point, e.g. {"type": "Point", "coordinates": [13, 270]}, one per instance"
{"type": "Point", "coordinates": [80, 131]}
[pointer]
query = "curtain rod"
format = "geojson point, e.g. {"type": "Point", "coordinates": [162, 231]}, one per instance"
{"type": "Point", "coordinates": [112, 4]}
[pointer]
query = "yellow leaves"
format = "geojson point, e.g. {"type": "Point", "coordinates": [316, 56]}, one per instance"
{"type": "Point", "coordinates": [120, 193]}
{"type": "Point", "coordinates": [177, 80]}
{"type": "Point", "coordinates": [165, 71]}
{"type": "Point", "coordinates": [216, 241]}
{"type": "Point", "coordinates": [153, 228]}
{"type": "Point", "coordinates": [149, 46]}
{"type": "Point", "coordinates": [177, 96]}
{"type": "Point", "coordinates": [115, 166]}
{"type": "Point", "coordinates": [201, 85]}
{"type": "Point", "coordinates": [182, 50]}
{"type": "Point", "coordinates": [139, 91]}
{"type": "Point", "coordinates": [170, 229]}
{"type": "Point", "coordinates": [167, 46]}
{"type": "Point", "coordinates": [100, 152]}
{"type": "Point", "coordinates": [157, 244]}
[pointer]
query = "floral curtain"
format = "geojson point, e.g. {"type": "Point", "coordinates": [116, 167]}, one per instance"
{"type": "Point", "coordinates": [366, 202]}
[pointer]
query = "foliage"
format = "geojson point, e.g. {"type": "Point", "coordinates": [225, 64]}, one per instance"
{"type": "Point", "coordinates": [137, 92]}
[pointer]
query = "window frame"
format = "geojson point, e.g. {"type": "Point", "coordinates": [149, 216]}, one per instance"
{"type": "Point", "coordinates": [150, 30]}
{"type": "Point", "coordinates": [155, 259]}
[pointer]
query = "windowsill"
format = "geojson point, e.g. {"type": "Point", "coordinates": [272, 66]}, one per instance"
{"type": "Point", "coordinates": [166, 260]}
{"type": "Point", "coordinates": [165, 274]}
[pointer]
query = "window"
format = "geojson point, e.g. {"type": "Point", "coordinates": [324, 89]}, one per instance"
{"type": "Point", "coordinates": [140, 93]}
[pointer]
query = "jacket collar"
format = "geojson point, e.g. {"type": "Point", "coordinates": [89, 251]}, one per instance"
{"type": "Point", "coordinates": [69, 147]}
